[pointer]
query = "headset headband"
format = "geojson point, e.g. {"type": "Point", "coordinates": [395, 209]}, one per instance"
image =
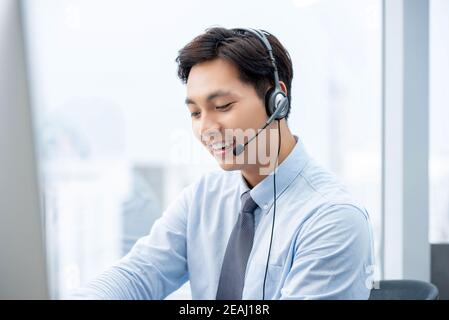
{"type": "Point", "coordinates": [262, 37]}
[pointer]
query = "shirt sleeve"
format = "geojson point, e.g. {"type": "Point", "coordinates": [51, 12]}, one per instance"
{"type": "Point", "coordinates": [155, 266]}
{"type": "Point", "coordinates": [333, 257]}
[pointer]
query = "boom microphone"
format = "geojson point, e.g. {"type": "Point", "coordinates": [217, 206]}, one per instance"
{"type": "Point", "coordinates": [238, 149]}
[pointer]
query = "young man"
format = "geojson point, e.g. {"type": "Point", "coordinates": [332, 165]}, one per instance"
{"type": "Point", "coordinates": [272, 224]}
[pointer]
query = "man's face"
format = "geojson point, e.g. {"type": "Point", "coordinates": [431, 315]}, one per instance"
{"type": "Point", "coordinates": [219, 103]}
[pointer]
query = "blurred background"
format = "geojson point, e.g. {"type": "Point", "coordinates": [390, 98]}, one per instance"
{"type": "Point", "coordinates": [114, 139]}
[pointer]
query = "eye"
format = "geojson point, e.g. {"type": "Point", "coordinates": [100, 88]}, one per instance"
{"type": "Point", "coordinates": [195, 114]}
{"type": "Point", "coordinates": [225, 107]}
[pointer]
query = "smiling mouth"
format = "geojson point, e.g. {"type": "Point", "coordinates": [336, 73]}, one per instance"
{"type": "Point", "coordinates": [220, 148]}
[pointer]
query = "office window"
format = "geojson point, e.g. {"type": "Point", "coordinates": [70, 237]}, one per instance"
{"type": "Point", "coordinates": [439, 114]}
{"type": "Point", "coordinates": [115, 139]}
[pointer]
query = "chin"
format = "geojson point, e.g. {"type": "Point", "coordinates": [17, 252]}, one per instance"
{"type": "Point", "coordinates": [229, 166]}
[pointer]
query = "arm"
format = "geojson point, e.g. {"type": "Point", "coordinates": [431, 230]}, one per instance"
{"type": "Point", "coordinates": [332, 255]}
{"type": "Point", "coordinates": [156, 265]}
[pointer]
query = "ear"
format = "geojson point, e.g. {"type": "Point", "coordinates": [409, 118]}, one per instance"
{"type": "Point", "coordinates": [283, 87]}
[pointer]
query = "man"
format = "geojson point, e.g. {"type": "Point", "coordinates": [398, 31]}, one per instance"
{"type": "Point", "coordinates": [272, 224]}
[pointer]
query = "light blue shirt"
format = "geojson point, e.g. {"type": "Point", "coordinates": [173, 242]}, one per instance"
{"type": "Point", "coordinates": [322, 243]}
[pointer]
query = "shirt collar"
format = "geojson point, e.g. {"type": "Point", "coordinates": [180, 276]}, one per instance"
{"type": "Point", "coordinates": [286, 173]}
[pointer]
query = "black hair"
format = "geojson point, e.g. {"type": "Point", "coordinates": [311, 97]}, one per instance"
{"type": "Point", "coordinates": [246, 51]}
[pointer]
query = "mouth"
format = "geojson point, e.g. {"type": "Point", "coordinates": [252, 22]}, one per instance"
{"type": "Point", "coordinates": [221, 148]}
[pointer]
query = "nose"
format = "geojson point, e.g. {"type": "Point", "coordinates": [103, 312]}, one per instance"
{"type": "Point", "coordinates": [209, 128]}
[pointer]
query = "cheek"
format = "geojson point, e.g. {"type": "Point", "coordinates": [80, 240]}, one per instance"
{"type": "Point", "coordinates": [253, 115]}
{"type": "Point", "coordinates": [196, 129]}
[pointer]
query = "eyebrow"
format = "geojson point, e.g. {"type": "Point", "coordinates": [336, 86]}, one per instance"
{"type": "Point", "coordinates": [211, 96]}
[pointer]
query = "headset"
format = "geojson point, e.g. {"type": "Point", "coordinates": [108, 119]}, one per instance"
{"type": "Point", "coordinates": [277, 106]}
{"type": "Point", "coordinates": [276, 101]}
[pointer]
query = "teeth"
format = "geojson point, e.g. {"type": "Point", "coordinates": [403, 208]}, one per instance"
{"type": "Point", "coordinates": [220, 145]}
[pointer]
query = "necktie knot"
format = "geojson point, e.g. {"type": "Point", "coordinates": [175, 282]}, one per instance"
{"type": "Point", "coordinates": [248, 204]}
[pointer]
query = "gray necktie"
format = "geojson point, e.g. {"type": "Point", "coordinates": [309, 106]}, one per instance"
{"type": "Point", "coordinates": [232, 277]}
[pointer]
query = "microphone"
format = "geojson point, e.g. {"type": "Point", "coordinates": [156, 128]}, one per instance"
{"type": "Point", "coordinates": [238, 149]}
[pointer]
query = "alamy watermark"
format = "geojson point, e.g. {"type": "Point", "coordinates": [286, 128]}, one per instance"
{"type": "Point", "coordinates": [261, 150]}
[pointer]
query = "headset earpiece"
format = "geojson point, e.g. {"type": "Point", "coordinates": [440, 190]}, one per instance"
{"type": "Point", "coordinates": [267, 101]}
{"type": "Point", "coordinates": [275, 98]}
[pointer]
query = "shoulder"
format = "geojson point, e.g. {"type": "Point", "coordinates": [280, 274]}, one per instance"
{"type": "Point", "coordinates": [328, 196]}
{"type": "Point", "coordinates": [338, 228]}
{"type": "Point", "coordinates": [332, 210]}
{"type": "Point", "coordinates": [339, 216]}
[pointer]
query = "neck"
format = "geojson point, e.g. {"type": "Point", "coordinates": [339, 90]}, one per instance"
{"type": "Point", "coordinates": [254, 174]}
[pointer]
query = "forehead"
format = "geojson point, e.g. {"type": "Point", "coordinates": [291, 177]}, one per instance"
{"type": "Point", "coordinates": [213, 75]}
